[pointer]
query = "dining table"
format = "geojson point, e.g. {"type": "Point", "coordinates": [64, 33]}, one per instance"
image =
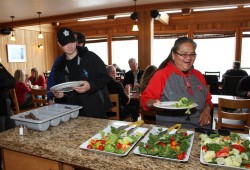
{"type": "Point", "coordinates": [59, 148]}
{"type": "Point", "coordinates": [215, 98]}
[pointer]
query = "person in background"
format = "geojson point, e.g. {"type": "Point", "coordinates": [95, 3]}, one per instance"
{"type": "Point", "coordinates": [177, 78]}
{"type": "Point", "coordinates": [116, 87]}
{"type": "Point", "coordinates": [117, 68]}
{"type": "Point", "coordinates": [79, 64]}
{"type": "Point", "coordinates": [235, 71]}
{"type": "Point", "coordinates": [7, 82]}
{"type": "Point", "coordinates": [23, 91]}
{"type": "Point", "coordinates": [81, 40]}
{"type": "Point", "coordinates": [243, 89]}
{"type": "Point", "coordinates": [37, 79]}
{"type": "Point", "coordinates": [146, 76]}
{"type": "Point", "coordinates": [133, 76]}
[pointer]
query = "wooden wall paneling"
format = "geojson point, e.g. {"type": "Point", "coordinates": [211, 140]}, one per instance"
{"type": "Point", "coordinates": [38, 58]}
{"type": "Point", "coordinates": [145, 39]}
{"type": "Point", "coordinates": [109, 43]}
{"type": "Point", "coordinates": [238, 44]}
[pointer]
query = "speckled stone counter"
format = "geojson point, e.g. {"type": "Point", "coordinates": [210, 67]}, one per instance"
{"type": "Point", "coordinates": [61, 143]}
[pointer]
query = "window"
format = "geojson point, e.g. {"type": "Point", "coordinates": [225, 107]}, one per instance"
{"type": "Point", "coordinates": [98, 46]}
{"type": "Point", "coordinates": [162, 47]}
{"type": "Point", "coordinates": [124, 48]}
{"type": "Point", "coordinates": [214, 49]}
{"type": "Point", "coordinates": [245, 53]}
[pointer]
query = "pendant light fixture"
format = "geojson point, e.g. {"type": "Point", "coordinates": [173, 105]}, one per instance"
{"type": "Point", "coordinates": [134, 16]}
{"type": "Point", "coordinates": [12, 38]}
{"type": "Point", "coordinates": [40, 35]}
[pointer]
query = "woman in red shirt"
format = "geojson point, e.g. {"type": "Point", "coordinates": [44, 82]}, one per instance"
{"type": "Point", "coordinates": [37, 79]}
{"type": "Point", "coordinates": [23, 91]}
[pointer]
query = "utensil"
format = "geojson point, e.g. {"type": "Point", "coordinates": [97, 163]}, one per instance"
{"type": "Point", "coordinates": [222, 132]}
{"type": "Point", "coordinates": [137, 123]}
{"type": "Point", "coordinates": [176, 126]}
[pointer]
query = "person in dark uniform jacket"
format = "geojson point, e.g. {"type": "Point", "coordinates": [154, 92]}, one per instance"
{"type": "Point", "coordinates": [7, 82]}
{"type": "Point", "coordinates": [243, 89]}
{"type": "Point", "coordinates": [235, 71]}
{"type": "Point", "coordinates": [80, 64]}
{"type": "Point", "coordinates": [133, 76]}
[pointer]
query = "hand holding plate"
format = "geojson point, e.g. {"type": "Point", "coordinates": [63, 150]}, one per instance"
{"type": "Point", "coordinates": [84, 88]}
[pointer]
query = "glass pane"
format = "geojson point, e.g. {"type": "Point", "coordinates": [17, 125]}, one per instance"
{"type": "Point", "coordinates": [245, 53]}
{"type": "Point", "coordinates": [215, 54]}
{"type": "Point", "coordinates": [101, 49]}
{"type": "Point", "coordinates": [161, 50]}
{"type": "Point", "coordinates": [122, 51]}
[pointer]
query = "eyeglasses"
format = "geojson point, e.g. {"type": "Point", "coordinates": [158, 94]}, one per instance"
{"type": "Point", "coordinates": [186, 55]}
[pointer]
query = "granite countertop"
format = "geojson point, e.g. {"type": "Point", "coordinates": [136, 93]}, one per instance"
{"type": "Point", "coordinates": [61, 143]}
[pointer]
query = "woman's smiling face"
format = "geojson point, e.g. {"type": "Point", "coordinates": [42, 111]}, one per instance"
{"type": "Point", "coordinates": [185, 56]}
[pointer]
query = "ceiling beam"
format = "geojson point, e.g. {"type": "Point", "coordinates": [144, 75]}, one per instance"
{"type": "Point", "coordinates": [128, 9]}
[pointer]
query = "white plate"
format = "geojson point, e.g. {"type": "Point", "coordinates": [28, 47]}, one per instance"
{"type": "Point", "coordinates": [222, 166]}
{"type": "Point", "coordinates": [155, 131]}
{"type": "Point", "coordinates": [107, 130]}
{"type": "Point", "coordinates": [66, 87]}
{"type": "Point", "coordinates": [168, 105]}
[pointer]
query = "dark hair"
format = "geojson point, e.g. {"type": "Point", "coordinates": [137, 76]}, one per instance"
{"type": "Point", "coordinates": [80, 38]}
{"type": "Point", "coordinates": [146, 76]}
{"type": "Point", "coordinates": [175, 48]}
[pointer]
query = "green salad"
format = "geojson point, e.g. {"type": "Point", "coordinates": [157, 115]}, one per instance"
{"type": "Point", "coordinates": [172, 146]}
{"type": "Point", "coordinates": [184, 102]}
{"type": "Point", "coordinates": [115, 141]}
{"type": "Point", "coordinates": [232, 151]}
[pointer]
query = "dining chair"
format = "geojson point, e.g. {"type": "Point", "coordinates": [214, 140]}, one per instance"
{"type": "Point", "coordinates": [39, 97]}
{"type": "Point", "coordinates": [230, 85]}
{"type": "Point", "coordinates": [217, 73]}
{"type": "Point", "coordinates": [114, 112]}
{"type": "Point", "coordinates": [231, 115]}
{"type": "Point", "coordinates": [15, 106]}
{"type": "Point", "coordinates": [213, 82]}
{"type": "Point", "coordinates": [14, 100]}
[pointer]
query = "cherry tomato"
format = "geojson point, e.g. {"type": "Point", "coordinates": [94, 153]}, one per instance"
{"type": "Point", "coordinates": [247, 166]}
{"type": "Point", "coordinates": [92, 141]}
{"type": "Point", "coordinates": [161, 144]}
{"type": "Point", "coordinates": [118, 145]}
{"type": "Point", "coordinates": [184, 133]}
{"type": "Point", "coordinates": [147, 146]}
{"type": "Point", "coordinates": [204, 148]}
{"type": "Point", "coordinates": [238, 147]}
{"type": "Point", "coordinates": [180, 157]}
{"type": "Point", "coordinates": [172, 139]}
{"type": "Point", "coordinates": [174, 143]}
{"type": "Point", "coordinates": [103, 141]}
{"type": "Point", "coordinates": [222, 153]}
{"type": "Point", "coordinates": [90, 147]}
{"type": "Point", "coordinates": [100, 147]}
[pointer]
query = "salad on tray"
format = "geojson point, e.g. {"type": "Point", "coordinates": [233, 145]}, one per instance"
{"type": "Point", "coordinates": [113, 140]}
{"type": "Point", "coordinates": [225, 151]}
{"type": "Point", "coordinates": [173, 146]}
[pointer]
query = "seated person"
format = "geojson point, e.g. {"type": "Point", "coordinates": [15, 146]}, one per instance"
{"type": "Point", "coordinates": [146, 76]}
{"type": "Point", "coordinates": [133, 76]}
{"type": "Point", "coordinates": [117, 68]}
{"type": "Point", "coordinates": [235, 71]}
{"type": "Point", "coordinates": [37, 79]}
{"type": "Point", "coordinates": [23, 92]}
{"type": "Point", "coordinates": [115, 87]}
{"type": "Point", "coordinates": [243, 89]}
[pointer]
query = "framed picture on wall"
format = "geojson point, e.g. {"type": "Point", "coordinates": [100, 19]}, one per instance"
{"type": "Point", "coordinates": [16, 53]}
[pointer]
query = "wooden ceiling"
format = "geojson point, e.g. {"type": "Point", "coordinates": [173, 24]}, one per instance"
{"type": "Point", "coordinates": [25, 11]}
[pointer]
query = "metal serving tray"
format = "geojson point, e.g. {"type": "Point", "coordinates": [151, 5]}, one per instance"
{"type": "Point", "coordinates": [50, 115]}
